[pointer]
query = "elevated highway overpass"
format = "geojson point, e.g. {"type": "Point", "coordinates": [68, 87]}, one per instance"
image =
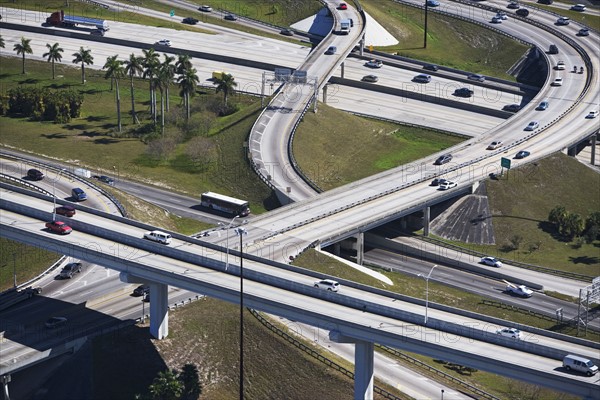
{"type": "Point", "coordinates": [358, 314]}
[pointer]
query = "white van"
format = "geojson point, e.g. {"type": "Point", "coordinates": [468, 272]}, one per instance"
{"type": "Point", "coordinates": [579, 364]}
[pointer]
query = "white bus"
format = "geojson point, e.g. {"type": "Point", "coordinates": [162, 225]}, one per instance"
{"type": "Point", "coordinates": [219, 202]}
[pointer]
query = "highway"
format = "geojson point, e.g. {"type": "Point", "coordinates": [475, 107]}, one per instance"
{"type": "Point", "coordinates": [341, 217]}
{"type": "Point", "coordinates": [259, 295]}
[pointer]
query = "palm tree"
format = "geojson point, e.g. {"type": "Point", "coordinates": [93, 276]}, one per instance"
{"type": "Point", "coordinates": [1, 42]}
{"type": "Point", "coordinates": [187, 83]}
{"type": "Point", "coordinates": [133, 67]}
{"type": "Point", "coordinates": [151, 62]}
{"type": "Point", "coordinates": [23, 48]}
{"type": "Point", "coordinates": [53, 55]}
{"type": "Point", "coordinates": [83, 56]}
{"type": "Point", "coordinates": [164, 76]}
{"type": "Point", "coordinates": [169, 71]}
{"type": "Point", "coordinates": [184, 62]}
{"type": "Point", "coordinates": [115, 71]}
{"type": "Point", "coordinates": [226, 85]}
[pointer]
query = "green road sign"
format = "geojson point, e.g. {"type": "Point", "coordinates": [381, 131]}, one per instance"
{"type": "Point", "coordinates": [172, 13]}
{"type": "Point", "coordinates": [505, 163]}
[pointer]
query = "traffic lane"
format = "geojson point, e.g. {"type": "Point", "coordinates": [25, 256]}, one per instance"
{"type": "Point", "coordinates": [473, 283]}
{"type": "Point", "coordinates": [412, 111]}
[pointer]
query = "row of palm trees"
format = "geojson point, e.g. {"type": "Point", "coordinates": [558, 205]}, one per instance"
{"type": "Point", "coordinates": [160, 75]}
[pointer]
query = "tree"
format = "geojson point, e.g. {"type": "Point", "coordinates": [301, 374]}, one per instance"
{"type": "Point", "coordinates": [225, 84]}
{"type": "Point", "coordinates": [23, 48]}
{"type": "Point", "coordinates": [184, 62]}
{"type": "Point", "coordinates": [164, 75]}
{"type": "Point", "coordinates": [192, 387]}
{"type": "Point", "coordinates": [169, 74]}
{"type": "Point", "coordinates": [166, 386]}
{"type": "Point", "coordinates": [53, 55]}
{"type": "Point", "coordinates": [133, 67]}
{"type": "Point", "coordinates": [151, 62]}
{"type": "Point", "coordinates": [557, 216]}
{"type": "Point", "coordinates": [573, 226]}
{"type": "Point", "coordinates": [1, 42]}
{"type": "Point", "coordinates": [187, 83]}
{"type": "Point", "coordinates": [115, 71]}
{"type": "Point", "coordinates": [592, 226]}
{"type": "Point", "coordinates": [83, 56]}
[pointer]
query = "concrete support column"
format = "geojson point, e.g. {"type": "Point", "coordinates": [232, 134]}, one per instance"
{"type": "Point", "coordinates": [361, 45]}
{"type": "Point", "coordinates": [363, 370]}
{"type": "Point", "coordinates": [360, 248]}
{"type": "Point", "coordinates": [403, 223]}
{"type": "Point", "coordinates": [572, 151]}
{"type": "Point", "coordinates": [4, 380]}
{"type": "Point", "coordinates": [342, 69]}
{"type": "Point", "coordinates": [593, 157]}
{"type": "Point", "coordinates": [336, 248]}
{"type": "Point", "coordinates": [325, 93]}
{"type": "Point", "coordinates": [426, 221]}
{"type": "Point", "coordinates": [159, 310]}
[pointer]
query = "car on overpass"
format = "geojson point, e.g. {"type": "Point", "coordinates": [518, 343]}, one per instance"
{"type": "Point", "coordinates": [509, 332]}
{"type": "Point", "coordinates": [230, 17]}
{"type": "Point", "coordinates": [513, 5]}
{"type": "Point", "coordinates": [522, 154]}
{"type": "Point", "coordinates": [494, 145]}
{"type": "Point", "coordinates": [158, 236]}
{"type": "Point", "coordinates": [447, 185]}
{"type": "Point", "coordinates": [287, 32]}
{"type": "Point", "coordinates": [583, 32]}
{"type": "Point", "coordinates": [327, 284]}
{"type": "Point", "coordinates": [592, 114]}
{"type": "Point", "coordinates": [522, 12]}
{"type": "Point", "coordinates": [431, 67]}
{"type": "Point", "coordinates": [532, 126]}
{"type": "Point", "coordinates": [59, 227]}
{"type": "Point", "coordinates": [519, 290]}
{"type": "Point", "coordinates": [331, 50]}
{"type": "Point", "coordinates": [69, 270]}
{"type": "Point", "coordinates": [443, 159]}
{"type": "Point", "coordinates": [560, 65]}
{"type": "Point", "coordinates": [463, 92]}
{"type": "Point", "coordinates": [558, 81]}
{"type": "Point", "coordinates": [543, 105]}
{"type": "Point", "coordinates": [164, 42]}
{"type": "Point", "coordinates": [433, 3]}
{"type": "Point", "coordinates": [342, 6]}
{"type": "Point", "coordinates": [205, 8]}
{"type": "Point", "coordinates": [476, 77]}
{"type": "Point", "coordinates": [422, 78]}
{"type": "Point", "coordinates": [67, 211]}
{"type": "Point", "coordinates": [563, 21]}
{"type": "Point", "coordinates": [35, 175]}
{"type": "Point", "coordinates": [374, 63]}
{"type": "Point", "coordinates": [370, 78]}
{"type": "Point", "coordinates": [491, 261]}
{"type": "Point", "coordinates": [512, 107]}
{"type": "Point", "coordinates": [438, 181]}
{"type": "Point", "coordinates": [190, 21]}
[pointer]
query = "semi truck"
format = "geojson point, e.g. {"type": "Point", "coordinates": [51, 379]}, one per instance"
{"type": "Point", "coordinates": [345, 26]}
{"type": "Point", "coordinates": [59, 18]}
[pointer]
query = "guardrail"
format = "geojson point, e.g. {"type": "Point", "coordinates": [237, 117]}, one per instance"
{"type": "Point", "coordinates": [315, 354]}
{"type": "Point", "coordinates": [482, 394]}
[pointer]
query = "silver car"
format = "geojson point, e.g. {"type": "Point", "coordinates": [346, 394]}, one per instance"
{"type": "Point", "coordinates": [328, 284]}
{"type": "Point", "coordinates": [509, 332]}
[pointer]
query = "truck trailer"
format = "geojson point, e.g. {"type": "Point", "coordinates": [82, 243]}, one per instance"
{"type": "Point", "coordinates": [59, 18]}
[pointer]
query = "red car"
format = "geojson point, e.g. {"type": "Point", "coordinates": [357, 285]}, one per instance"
{"type": "Point", "coordinates": [343, 6]}
{"type": "Point", "coordinates": [59, 227]}
{"type": "Point", "coordinates": [67, 211]}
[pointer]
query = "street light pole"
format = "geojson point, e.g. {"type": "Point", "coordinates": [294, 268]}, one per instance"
{"type": "Point", "coordinates": [54, 194]}
{"type": "Point", "coordinates": [241, 232]}
{"type": "Point", "coordinates": [427, 290]}
{"type": "Point", "coordinates": [227, 241]}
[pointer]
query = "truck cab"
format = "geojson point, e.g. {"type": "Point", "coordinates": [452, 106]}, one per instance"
{"type": "Point", "coordinates": [345, 26]}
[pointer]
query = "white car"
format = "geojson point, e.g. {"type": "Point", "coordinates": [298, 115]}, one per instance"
{"type": "Point", "coordinates": [164, 42]}
{"type": "Point", "coordinates": [502, 15]}
{"type": "Point", "coordinates": [158, 236]}
{"type": "Point", "coordinates": [560, 65]}
{"type": "Point", "coordinates": [557, 81]}
{"type": "Point", "coordinates": [205, 8]}
{"type": "Point", "coordinates": [563, 21]}
{"type": "Point", "coordinates": [491, 261]}
{"type": "Point", "coordinates": [509, 332]}
{"type": "Point", "coordinates": [592, 114]}
{"type": "Point", "coordinates": [521, 290]}
{"type": "Point", "coordinates": [532, 126]}
{"type": "Point", "coordinates": [494, 145]}
{"type": "Point", "coordinates": [374, 64]}
{"type": "Point", "coordinates": [447, 185]}
{"type": "Point", "coordinates": [328, 284]}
